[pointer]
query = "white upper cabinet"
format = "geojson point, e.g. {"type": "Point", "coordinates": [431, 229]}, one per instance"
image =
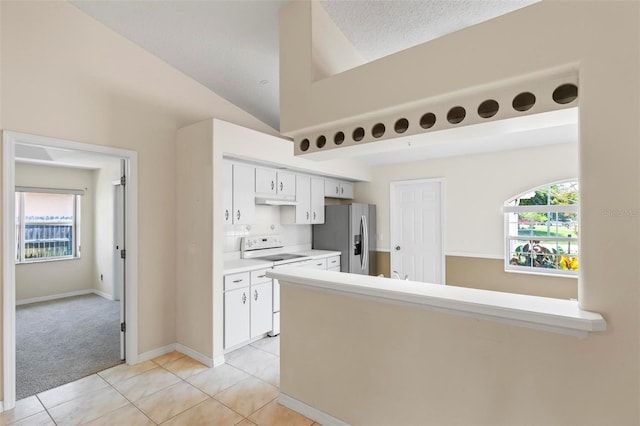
{"type": "Point", "coordinates": [303, 198]}
{"type": "Point", "coordinates": [227, 199]}
{"type": "Point", "coordinates": [338, 189]}
{"type": "Point", "coordinates": [309, 206]}
{"type": "Point", "coordinates": [242, 194]}
{"type": "Point", "coordinates": [275, 182]}
{"type": "Point", "coordinates": [266, 181]}
{"type": "Point", "coordinates": [317, 200]}
{"type": "Point", "coordinates": [346, 190]}
{"type": "Point", "coordinates": [286, 184]}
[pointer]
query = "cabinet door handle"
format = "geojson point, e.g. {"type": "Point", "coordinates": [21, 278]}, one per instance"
{"type": "Point", "coordinates": [314, 215]}
{"type": "Point", "coordinates": [226, 214]}
{"type": "Point", "coordinates": [336, 190]}
{"type": "Point", "coordinates": [307, 215]}
{"type": "Point", "coordinates": [255, 295]}
{"type": "Point", "coordinates": [238, 281]}
{"type": "Point", "coordinates": [281, 186]}
{"type": "Point", "coordinates": [238, 214]}
{"type": "Point", "coordinates": [342, 190]}
{"type": "Point", "coordinates": [244, 298]}
{"type": "Point", "coordinates": [261, 276]}
{"type": "Point", "coordinates": [272, 185]}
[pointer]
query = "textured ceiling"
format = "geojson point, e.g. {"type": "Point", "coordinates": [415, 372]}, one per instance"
{"type": "Point", "coordinates": [231, 47]}
{"type": "Point", "coordinates": [382, 27]}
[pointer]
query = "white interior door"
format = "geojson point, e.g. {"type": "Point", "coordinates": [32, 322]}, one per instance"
{"type": "Point", "coordinates": [416, 230]}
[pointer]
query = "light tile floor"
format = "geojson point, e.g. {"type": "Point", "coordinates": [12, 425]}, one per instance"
{"type": "Point", "coordinates": [172, 389]}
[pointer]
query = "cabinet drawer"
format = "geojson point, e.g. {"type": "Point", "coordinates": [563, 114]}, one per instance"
{"type": "Point", "coordinates": [318, 264]}
{"type": "Point", "coordinates": [259, 276]}
{"type": "Point", "coordinates": [234, 281]}
{"type": "Point", "coordinates": [333, 261]}
{"type": "Point", "coordinates": [334, 269]}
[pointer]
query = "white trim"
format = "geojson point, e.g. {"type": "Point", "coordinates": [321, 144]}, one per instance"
{"type": "Point", "coordinates": [443, 218]}
{"type": "Point", "coordinates": [38, 190]}
{"type": "Point", "coordinates": [53, 297]}
{"type": "Point", "coordinates": [475, 255]}
{"type": "Point", "coordinates": [541, 313]}
{"type": "Point", "coordinates": [8, 210]}
{"type": "Point", "coordinates": [8, 272]}
{"type": "Point", "coordinates": [103, 294]}
{"type": "Point", "coordinates": [195, 355]}
{"type": "Point", "coordinates": [541, 208]}
{"type": "Point", "coordinates": [218, 361]}
{"type": "Point", "coordinates": [1, 407]}
{"type": "Point", "coordinates": [154, 353]}
{"type": "Point", "coordinates": [309, 411]}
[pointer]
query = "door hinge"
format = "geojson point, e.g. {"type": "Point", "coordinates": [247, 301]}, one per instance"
{"type": "Point", "coordinates": [123, 180]}
{"type": "Point", "coordinates": [123, 327]}
{"type": "Point", "coordinates": [123, 254]}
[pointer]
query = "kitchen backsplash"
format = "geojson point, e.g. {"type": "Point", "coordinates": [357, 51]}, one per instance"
{"type": "Point", "coordinates": [267, 223]}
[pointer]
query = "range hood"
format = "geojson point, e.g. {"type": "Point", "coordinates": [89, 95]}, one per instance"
{"type": "Point", "coordinates": [276, 201]}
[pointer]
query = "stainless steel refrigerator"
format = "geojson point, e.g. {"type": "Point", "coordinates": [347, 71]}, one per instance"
{"type": "Point", "coordinates": [351, 230]}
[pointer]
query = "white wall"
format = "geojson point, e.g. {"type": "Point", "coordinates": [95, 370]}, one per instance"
{"type": "Point", "coordinates": [475, 189]}
{"type": "Point", "coordinates": [103, 277]}
{"type": "Point", "coordinates": [42, 279]}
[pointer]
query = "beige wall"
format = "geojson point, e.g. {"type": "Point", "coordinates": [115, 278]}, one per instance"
{"type": "Point", "coordinates": [430, 365]}
{"type": "Point", "coordinates": [104, 228]}
{"type": "Point", "coordinates": [475, 189]}
{"type": "Point", "coordinates": [194, 237]}
{"type": "Point", "coordinates": [50, 278]}
{"type": "Point", "coordinates": [64, 75]}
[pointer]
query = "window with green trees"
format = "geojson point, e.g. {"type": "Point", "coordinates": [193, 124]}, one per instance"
{"type": "Point", "coordinates": [542, 230]}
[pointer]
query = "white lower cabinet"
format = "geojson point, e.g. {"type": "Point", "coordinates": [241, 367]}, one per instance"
{"type": "Point", "coordinates": [261, 309]}
{"type": "Point", "coordinates": [248, 311]}
{"type": "Point", "coordinates": [236, 317]}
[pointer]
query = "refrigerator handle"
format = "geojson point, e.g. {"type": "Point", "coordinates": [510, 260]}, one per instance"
{"type": "Point", "coordinates": [365, 241]}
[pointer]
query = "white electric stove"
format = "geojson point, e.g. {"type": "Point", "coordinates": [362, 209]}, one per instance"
{"type": "Point", "coordinates": [270, 248]}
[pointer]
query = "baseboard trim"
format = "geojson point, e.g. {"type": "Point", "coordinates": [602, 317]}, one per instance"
{"type": "Point", "coordinates": [1, 407]}
{"type": "Point", "coordinates": [154, 353]}
{"type": "Point", "coordinates": [195, 355]}
{"type": "Point", "coordinates": [218, 361]}
{"type": "Point", "coordinates": [53, 297]}
{"type": "Point", "coordinates": [309, 411]}
{"type": "Point", "coordinates": [103, 294]}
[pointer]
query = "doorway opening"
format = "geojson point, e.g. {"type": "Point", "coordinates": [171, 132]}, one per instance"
{"type": "Point", "coordinates": [417, 230]}
{"type": "Point", "coordinates": [65, 282]}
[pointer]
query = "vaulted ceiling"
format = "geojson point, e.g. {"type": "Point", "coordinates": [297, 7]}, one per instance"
{"type": "Point", "coordinates": [231, 47]}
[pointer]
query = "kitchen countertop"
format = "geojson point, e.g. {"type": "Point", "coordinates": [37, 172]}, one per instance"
{"type": "Point", "coordinates": [318, 254]}
{"type": "Point", "coordinates": [237, 266]}
{"type": "Point", "coordinates": [542, 313]}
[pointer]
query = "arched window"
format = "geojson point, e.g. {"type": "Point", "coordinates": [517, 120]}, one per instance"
{"type": "Point", "coordinates": [542, 229]}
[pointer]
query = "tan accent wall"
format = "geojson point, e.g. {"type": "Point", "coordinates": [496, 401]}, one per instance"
{"type": "Point", "coordinates": [383, 263]}
{"type": "Point", "coordinates": [489, 274]}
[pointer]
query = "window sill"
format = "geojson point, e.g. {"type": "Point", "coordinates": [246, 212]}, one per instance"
{"type": "Point", "coordinates": [57, 259]}
{"type": "Point", "coordinates": [542, 313]}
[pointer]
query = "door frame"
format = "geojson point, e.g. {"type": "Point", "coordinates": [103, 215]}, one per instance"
{"type": "Point", "coordinates": [10, 139]}
{"type": "Point", "coordinates": [392, 215]}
